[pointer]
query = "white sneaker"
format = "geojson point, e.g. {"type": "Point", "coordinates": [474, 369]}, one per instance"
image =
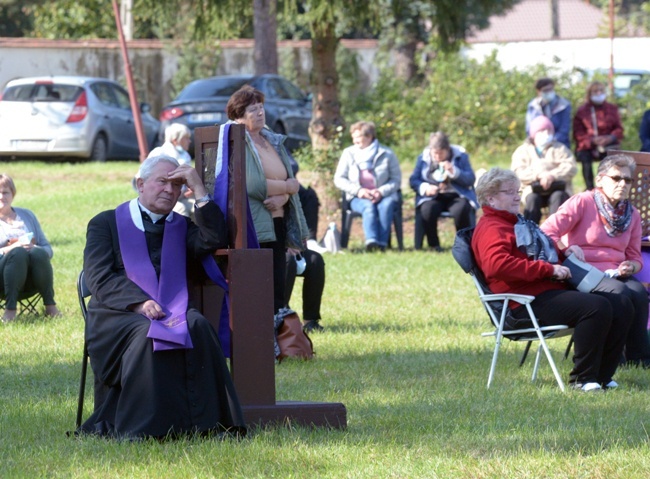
{"type": "Point", "coordinates": [611, 385]}
{"type": "Point", "coordinates": [586, 387]}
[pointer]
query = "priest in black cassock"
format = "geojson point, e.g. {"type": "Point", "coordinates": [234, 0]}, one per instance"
{"type": "Point", "coordinates": [159, 368]}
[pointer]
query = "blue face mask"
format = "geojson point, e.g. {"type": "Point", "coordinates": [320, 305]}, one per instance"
{"type": "Point", "coordinates": [548, 96]}
{"type": "Point", "coordinates": [598, 99]}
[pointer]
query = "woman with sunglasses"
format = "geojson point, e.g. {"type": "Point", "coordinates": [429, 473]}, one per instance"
{"type": "Point", "coordinates": [603, 229]}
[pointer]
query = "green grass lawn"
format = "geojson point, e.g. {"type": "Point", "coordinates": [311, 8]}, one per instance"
{"type": "Point", "coordinates": [402, 350]}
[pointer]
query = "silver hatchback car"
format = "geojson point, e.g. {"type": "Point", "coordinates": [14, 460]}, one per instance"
{"type": "Point", "coordinates": [71, 116]}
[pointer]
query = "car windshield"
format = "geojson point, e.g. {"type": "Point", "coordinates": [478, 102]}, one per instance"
{"type": "Point", "coordinates": [42, 92]}
{"type": "Point", "coordinates": [219, 87]}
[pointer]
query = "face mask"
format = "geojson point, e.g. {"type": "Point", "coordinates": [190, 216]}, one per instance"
{"type": "Point", "coordinates": [548, 96]}
{"type": "Point", "coordinates": [542, 139]}
{"type": "Point", "coordinates": [598, 99]}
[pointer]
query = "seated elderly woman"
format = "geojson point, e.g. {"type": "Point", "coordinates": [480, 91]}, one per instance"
{"type": "Point", "coordinates": [545, 168]}
{"type": "Point", "coordinates": [370, 176]}
{"type": "Point", "coordinates": [25, 254]}
{"type": "Point", "coordinates": [603, 228]}
{"type": "Point", "coordinates": [443, 180]}
{"type": "Point", "coordinates": [517, 257]}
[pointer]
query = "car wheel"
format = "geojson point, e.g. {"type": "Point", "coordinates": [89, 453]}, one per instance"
{"type": "Point", "coordinates": [100, 149]}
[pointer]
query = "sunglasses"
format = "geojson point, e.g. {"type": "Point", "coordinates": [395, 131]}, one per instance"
{"type": "Point", "coordinates": [617, 179]}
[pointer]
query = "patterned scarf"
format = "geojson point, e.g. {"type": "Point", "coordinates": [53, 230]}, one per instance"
{"type": "Point", "coordinates": [532, 241]}
{"type": "Point", "coordinates": [615, 220]}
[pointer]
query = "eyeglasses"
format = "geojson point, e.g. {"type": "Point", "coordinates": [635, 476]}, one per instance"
{"type": "Point", "coordinates": [617, 179]}
{"type": "Point", "coordinates": [511, 192]}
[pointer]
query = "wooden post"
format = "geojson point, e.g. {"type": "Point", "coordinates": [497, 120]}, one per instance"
{"type": "Point", "coordinates": [250, 278]}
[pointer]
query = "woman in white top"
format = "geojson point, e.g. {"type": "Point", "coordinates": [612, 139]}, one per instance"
{"type": "Point", "coordinates": [24, 255]}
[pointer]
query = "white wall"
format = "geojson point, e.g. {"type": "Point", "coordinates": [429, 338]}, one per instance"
{"type": "Point", "coordinates": [629, 53]}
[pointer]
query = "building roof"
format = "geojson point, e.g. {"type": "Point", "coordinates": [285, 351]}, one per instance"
{"type": "Point", "coordinates": [530, 20]}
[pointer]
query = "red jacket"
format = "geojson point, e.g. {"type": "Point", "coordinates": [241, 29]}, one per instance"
{"type": "Point", "coordinates": [607, 119]}
{"type": "Point", "coordinates": [505, 267]}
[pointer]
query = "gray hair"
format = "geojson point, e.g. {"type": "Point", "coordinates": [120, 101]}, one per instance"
{"type": "Point", "coordinates": [620, 160]}
{"type": "Point", "coordinates": [147, 166]}
{"type": "Point", "coordinates": [176, 131]}
{"type": "Point", "coordinates": [490, 183]}
{"type": "Point", "coordinates": [439, 141]}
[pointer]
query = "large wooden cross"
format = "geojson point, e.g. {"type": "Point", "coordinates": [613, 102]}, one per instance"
{"type": "Point", "coordinates": [250, 280]}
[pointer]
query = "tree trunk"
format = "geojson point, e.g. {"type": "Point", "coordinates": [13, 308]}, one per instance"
{"type": "Point", "coordinates": [265, 27]}
{"type": "Point", "coordinates": [405, 67]}
{"type": "Point", "coordinates": [326, 114]}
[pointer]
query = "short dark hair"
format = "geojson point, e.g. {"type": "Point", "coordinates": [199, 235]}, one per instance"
{"type": "Point", "coordinates": [439, 141]}
{"type": "Point", "coordinates": [242, 99]}
{"type": "Point", "coordinates": [543, 82]}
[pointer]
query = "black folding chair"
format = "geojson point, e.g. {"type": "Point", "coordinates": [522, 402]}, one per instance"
{"type": "Point", "coordinates": [84, 294]}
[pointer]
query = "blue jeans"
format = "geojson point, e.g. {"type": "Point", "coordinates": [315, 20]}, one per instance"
{"type": "Point", "coordinates": [377, 218]}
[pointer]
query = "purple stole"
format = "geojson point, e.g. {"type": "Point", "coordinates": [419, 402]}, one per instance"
{"type": "Point", "coordinates": [221, 182]}
{"type": "Point", "coordinates": [170, 290]}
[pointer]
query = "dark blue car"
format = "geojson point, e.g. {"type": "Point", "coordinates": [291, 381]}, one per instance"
{"type": "Point", "coordinates": [203, 103]}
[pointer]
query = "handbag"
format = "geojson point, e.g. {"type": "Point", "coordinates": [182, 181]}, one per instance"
{"type": "Point", "coordinates": [292, 341]}
{"type": "Point", "coordinates": [584, 277]}
{"type": "Point", "coordinates": [557, 185]}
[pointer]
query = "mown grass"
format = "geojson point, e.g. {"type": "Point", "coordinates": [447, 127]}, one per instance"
{"type": "Point", "coordinates": [402, 351]}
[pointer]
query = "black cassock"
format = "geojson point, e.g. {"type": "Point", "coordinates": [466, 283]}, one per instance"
{"type": "Point", "coordinates": [139, 392]}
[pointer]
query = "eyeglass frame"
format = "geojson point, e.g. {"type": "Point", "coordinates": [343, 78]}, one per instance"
{"type": "Point", "coordinates": [617, 179]}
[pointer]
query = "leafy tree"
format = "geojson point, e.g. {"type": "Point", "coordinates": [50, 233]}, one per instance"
{"type": "Point", "coordinates": [406, 23]}
{"type": "Point", "coordinates": [14, 19]}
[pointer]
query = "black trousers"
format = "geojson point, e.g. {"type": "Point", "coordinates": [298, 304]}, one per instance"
{"type": "Point", "coordinates": [313, 285]}
{"type": "Point", "coordinates": [279, 262]}
{"type": "Point", "coordinates": [601, 322]}
{"type": "Point", "coordinates": [458, 207]}
{"type": "Point", "coordinates": [310, 206]}
{"type": "Point", "coordinates": [586, 158]}
{"type": "Point", "coordinates": [535, 202]}
{"type": "Point", "coordinates": [637, 344]}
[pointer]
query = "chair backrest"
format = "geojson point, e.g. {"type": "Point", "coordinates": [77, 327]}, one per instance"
{"type": "Point", "coordinates": [84, 293]}
{"type": "Point", "coordinates": [462, 253]}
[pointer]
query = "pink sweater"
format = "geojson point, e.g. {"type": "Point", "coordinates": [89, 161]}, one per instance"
{"type": "Point", "coordinates": [577, 223]}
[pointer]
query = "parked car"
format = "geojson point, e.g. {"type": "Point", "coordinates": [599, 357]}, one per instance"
{"type": "Point", "coordinates": [71, 116]}
{"type": "Point", "coordinates": [203, 103]}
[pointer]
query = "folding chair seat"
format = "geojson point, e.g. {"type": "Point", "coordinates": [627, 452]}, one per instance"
{"type": "Point", "coordinates": [496, 306]}
{"type": "Point", "coordinates": [27, 302]}
{"type": "Point", "coordinates": [347, 215]}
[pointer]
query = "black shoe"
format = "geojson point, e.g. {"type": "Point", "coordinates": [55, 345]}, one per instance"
{"type": "Point", "coordinates": [313, 325]}
{"type": "Point", "coordinates": [370, 247]}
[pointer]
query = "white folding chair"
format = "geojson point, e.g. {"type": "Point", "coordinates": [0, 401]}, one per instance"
{"type": "Point", "coordinates": [497, 307]}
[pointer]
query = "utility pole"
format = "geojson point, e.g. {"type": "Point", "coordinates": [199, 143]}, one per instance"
{"type": "Point", "coordinates": [127, 19]}
{"type": "Point", "coordinates": [555, 19]}
{"type": "Point", "coordinates": [611, 50]}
